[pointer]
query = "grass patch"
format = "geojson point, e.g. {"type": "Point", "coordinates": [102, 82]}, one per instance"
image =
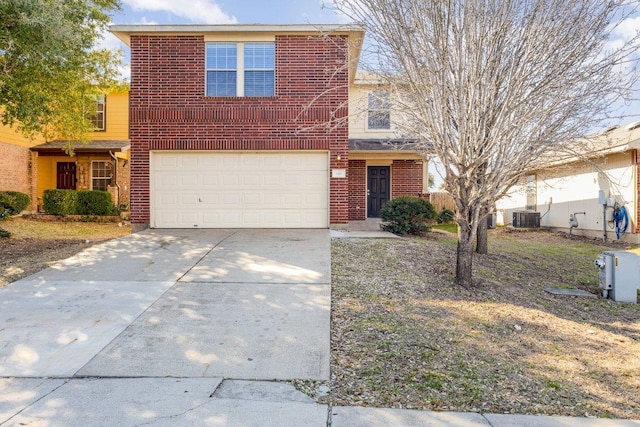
{"type": "Point", "coordinates": [451, 228]}
{"type": "Point", "coordinates": [22, 228]}
{"type": "Point", "coordinates": [404, 335]}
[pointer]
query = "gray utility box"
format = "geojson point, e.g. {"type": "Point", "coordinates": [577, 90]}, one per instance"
{"type": "Point", "coordinates": [619, 275]}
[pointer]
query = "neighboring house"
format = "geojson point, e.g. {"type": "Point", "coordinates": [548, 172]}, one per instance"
{"type": "Point", "coordinates": [31, 166]}
{"type": "Point", "coordinates": [17, 163]}
{"type": "Point", "coordinates": [246, 126]}
{"type": "Point", "coordinates": [588, 191]}
{"type": "Point", "coordinates": [380, 167]}
{"type": "Point", "coordinates": [102, 164]}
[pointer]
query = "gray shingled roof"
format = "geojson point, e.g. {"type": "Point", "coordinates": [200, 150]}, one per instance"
{"type": "Point", "coordinates": [99, 146]}
{"type": "Point", "coordinates": [382, 145]}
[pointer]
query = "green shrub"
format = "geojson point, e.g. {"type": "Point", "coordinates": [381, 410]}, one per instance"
{"type": "Point", "coordinates": [407, 214]}
{"type": "Point", "coordinates": [446, 216]}
{"type": "Point", "coordinates": [4, 233]}
{"type": "Point", "coordinates": [85, 202]}
{"type": "Point", "coordinates": [13, 202]}
{"type": "Point", "coordinates": [95, 203]}
{"type": "Point", "coordinates": [60, 202]}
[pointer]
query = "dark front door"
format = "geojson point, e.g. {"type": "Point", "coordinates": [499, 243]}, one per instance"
{"type": "Point", "coordinates": [66, 176]}
{"type": "Point", "coordinates": [377, 189]}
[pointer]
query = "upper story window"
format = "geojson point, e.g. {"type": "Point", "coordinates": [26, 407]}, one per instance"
{"type": "Point", "coordinates": [378, 111]}
{"type": "Point", "coordinates": [97, 118]}
{"type": "Point", "coordinates": [240, 69]}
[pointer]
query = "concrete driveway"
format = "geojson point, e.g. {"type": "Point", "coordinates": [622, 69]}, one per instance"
{"type": "Point", "coordinates": [198, 305]}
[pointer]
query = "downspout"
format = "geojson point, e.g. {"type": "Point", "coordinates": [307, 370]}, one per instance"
{"type": "Point", "coordinates": [115, 175]}
{"type": "Point", "coordinates": [604, 222]}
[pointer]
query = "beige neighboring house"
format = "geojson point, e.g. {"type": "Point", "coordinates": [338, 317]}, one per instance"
{"type": "Point", "coordinates": [579, 197]}
{"type": "Point", "coordinates": [381, 166]}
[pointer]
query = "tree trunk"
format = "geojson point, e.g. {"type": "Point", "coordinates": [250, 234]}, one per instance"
{"type": "Point", "coordinates": [464, 257]}
{"type": "Point", "coordinates": [482, 239]}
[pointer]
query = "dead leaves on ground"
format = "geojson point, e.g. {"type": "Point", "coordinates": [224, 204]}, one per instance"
{"type": "Point", "coordinates": [404, 336]}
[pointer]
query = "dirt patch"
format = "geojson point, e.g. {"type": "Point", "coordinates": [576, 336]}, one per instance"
{"type": "Point", "coordinates": [405, 336]}
{"type": "Point", "coordinates": [35, 245]}
{"type": "Point", "coordinates": [22, 257]}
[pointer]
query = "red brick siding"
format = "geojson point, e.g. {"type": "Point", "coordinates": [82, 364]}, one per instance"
{"type": "Point", "coordinates": [357, 190]}
{"type": "Point", "coordinates": [406, 178]}
{"type": "Point", "coordinates": [168, 109]}
{"type": "Point", "coordinates": [16, 169]}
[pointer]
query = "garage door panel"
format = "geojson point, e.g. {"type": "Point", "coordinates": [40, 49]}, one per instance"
{"type": "Point", "coordinates": [168, 180]}
{"type": "Point", "coordinates": [210, 199]}
{"type": "Point", "coordinates": [211, 162]}
{"type": "Point", "coordinates": [314, 200]}
{"type": "Point", "coordinates": [211, 181]}
{"type": "Point", "coordinates": [252, 201]}
{"type": "Point", "coordinates": [190, 180]}
{"type": "Point", "coordinates": [211, 219]}
{"type": "Point", "coordinates": [188, 200]}
{"type": "Point", "coordinates": [231, 201]}
{"type": "Point", "coordinates": [239, 189]}
{"type": "Point", "coordinates": [169, 199]}
{"type": "Point", "coordinates": [230, 162]}
{"type": "Point", "coordinates": [167, 163]}
{"type": "Point", "coordinates": [189, 162]}
{"type": "Point", "coordinates": [251, 179]}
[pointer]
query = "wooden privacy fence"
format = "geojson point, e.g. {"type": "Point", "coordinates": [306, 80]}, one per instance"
{"type": "Point", "coordinates": [442, 200]}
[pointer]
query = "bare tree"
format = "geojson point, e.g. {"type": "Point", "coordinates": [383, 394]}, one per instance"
{"type": "Point", "coordinates": [494, 87]}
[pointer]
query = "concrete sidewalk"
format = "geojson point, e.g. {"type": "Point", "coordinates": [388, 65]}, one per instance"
{"type": "Point", "coordinates": [214, 402]}
{"type": "Point", "coordinates": [188, 327]}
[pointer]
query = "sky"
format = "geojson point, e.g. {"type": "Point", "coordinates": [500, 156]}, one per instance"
{"type": "Point", "coordinates": [167, 12]}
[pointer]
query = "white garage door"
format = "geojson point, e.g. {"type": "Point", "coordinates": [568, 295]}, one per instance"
{"type": "Point", "coordinates": [206, 189]}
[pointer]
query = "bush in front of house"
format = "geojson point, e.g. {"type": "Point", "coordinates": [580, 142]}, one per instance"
{"type": "Point", "coordinates": [407, 215]}
{"type": "Point", "coordinates": [60, 202]}
{"type": "Point", "coordinates": [93, 202]}
{"type": "Point", "coordinates": [13, 202]}
{"type": "Point", "coordinates": [72, 202]}
{"type": "Point", "coordinates": [446, 216]}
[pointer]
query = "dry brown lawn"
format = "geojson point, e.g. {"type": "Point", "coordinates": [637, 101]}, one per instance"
{"type": "Point", "coordinates": [405, 336]}
{"type": "Point", "coordinates": [35, 245]}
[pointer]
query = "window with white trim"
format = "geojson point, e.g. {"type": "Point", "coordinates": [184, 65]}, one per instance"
{"type": "Point", "coordinates": [97, 118]}
{"type": "Point", "coordinates": [240, 69]}
{"type": "Point", "coordinates": [379, 111]}
{"type": "Point", "coordinates": [101, 175]}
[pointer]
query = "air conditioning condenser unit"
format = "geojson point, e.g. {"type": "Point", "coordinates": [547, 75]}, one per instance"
{"type": "Point", "coordinates": [526, 219]}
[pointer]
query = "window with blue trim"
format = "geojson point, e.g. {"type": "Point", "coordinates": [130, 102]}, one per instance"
{"type": "Point", "coordinates": [240, 69]}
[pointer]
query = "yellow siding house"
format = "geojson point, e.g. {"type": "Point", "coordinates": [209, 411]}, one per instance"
{"type": "Point", "coordinates": [32, 166]}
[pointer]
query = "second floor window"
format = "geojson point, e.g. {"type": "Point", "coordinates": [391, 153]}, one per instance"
{"type": "Point", "coordinates": [97, 118]}
{"type": "Point", "coordinates": [240, 69]}
{"type": "Point", "coordinates": [378, 111]}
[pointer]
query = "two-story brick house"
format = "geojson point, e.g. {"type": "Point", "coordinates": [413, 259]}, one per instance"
{"type": "Point", "coordinates": [249, 126]}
